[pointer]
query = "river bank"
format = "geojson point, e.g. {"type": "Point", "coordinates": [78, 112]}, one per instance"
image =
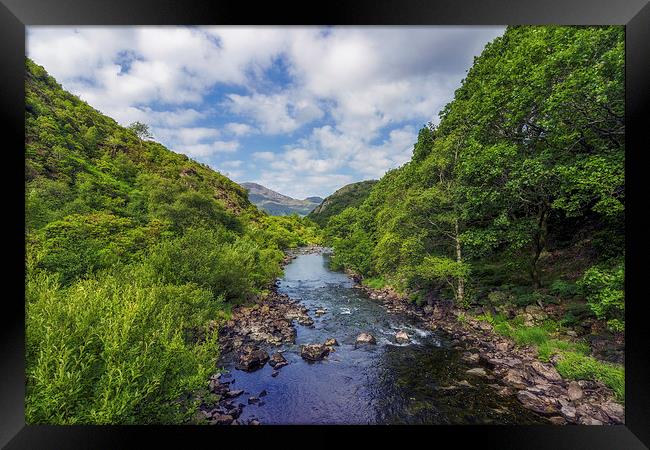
{"type": "Point", "coordinates": [537, 385]}
{"type": "Point", "coordinates": [460, 374]}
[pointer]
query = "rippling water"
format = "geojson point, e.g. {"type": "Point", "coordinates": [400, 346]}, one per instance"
{"type": "Point", "coordinates": [387, 383]}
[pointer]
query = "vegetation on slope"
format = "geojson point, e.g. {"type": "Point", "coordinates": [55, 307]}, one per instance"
{"type": "Point", "coordinates": [277, 204]}
{"type": "Point", "coordinates": [132, 250]}
{"type": "Point", "coordinates": [350, 195]}
{"type": "Point", "coordinates": [517, 197]}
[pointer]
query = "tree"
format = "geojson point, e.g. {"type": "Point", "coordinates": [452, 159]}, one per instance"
{"type": "Point", "coordinates": [141, 130]}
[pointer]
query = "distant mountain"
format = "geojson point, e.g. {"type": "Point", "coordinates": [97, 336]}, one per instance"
{"type": "Point", "coordinates": [277, 204]}
{"type": "Point", "coordinates": [349, 195]}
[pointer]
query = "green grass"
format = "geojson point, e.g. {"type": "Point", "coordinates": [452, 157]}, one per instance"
{"type": "Point", "coordinates": [374, 283]}
{"type": "Point", "coordinates": [577, 366]}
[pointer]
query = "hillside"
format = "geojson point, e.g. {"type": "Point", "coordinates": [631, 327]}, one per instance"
{"type": "Point", "coordinates": [277, 204]}
{"type": "Point", "coordinates": [351, 195]}
{"type": "Point", "coordinates": [135, 255]}
{"type": "Point", "coordinates": [513, 206]}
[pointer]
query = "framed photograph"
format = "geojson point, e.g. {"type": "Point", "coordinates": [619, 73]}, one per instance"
{"type": "Point", "coordinates": [376, 218]}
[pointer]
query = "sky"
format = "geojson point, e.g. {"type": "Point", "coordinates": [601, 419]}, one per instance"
{"type": "Point", "coordinates": [300, 110]}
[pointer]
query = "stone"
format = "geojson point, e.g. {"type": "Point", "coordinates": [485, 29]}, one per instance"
{"type": "Point", "coordinates": [252, 400]}
{"type": "Point", "coordinates": [614, 411]}
{"type": "Point", "coordinates": [502, 346]}
{"type": "Point", "coordinates": [252, 359]}
{"type": "Point", "coordinates": [234, 393]}
{"type": "Point", "coordinates": [470, 357]}
{"type": "Point", "coordinates": [314, 352]}
{"type": "Point", "coordinates": [515, 378]}
{"type": "Point", "coordinates": [277, 361]}
{"type": "Point", "coordinates": [464, 383]}
{"type": "Point", "coordinates": [478, 371]}
{"type": "Point", "coordinates": [221, 419]}
{"type": "Point", "coordinates": [571, 333]}
{"type": "Point", "coordinates": [485, 326]}
{"type": "Point", "coordinates": [320, 312]}
{"type": "Point", "coordinates": [262, 394]}
{"type": "Point", "coordinates": [557, 420]}
{"type": "Point", "coordinates": [402, 337]}
{"type": "Point", "coordinates": [569, 412]}
{"type": "Point", "coordinates": [331, 342]}
{"type": "Point", "coordinates": [546, 370]}
{"type": "Point", "coordinates": [274, 373]}
{"type": "Point", "coordinates": [538, 404]}
{"type": "Point", "coordinates": [575, 391]}
{"type": "Point", "coordinates": [366, 338]}
{"type": "Point", "coordinates": [504, 392]}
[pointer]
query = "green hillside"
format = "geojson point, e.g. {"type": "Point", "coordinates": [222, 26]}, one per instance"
{"type": "Point", "coordinates": [351, 195]}
{"type": "Point", "coordinates": [132, 250]}
{"type": "Point", "coordinates": [517, 197]}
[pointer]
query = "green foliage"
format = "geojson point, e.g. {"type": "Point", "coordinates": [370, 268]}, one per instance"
{"type": "Point", "coordinates": [131, 250]}
{"type": "Point", "coordinates": [351, 195]}
{"type": "Point", "coordinates": [375, 283]}
{"type": "Point", "coordinates": [604, 290]}
{"type": "Point", "coordinates": [114, 349]}
{"type": "Point", "coordinates": [574, 365]}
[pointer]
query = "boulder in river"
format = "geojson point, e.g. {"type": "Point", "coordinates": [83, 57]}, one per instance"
{"type": "Point", "coordinates": [314, 352]}
{"type": "Point", "coordinates": [401, 337]}
{"type": "Point", "coordinates": [277, 361]}
{"type": "Point", "coordinates": [331, 342]}
{"type": "Point", "coordinates": [252, 359]}
{"type": "Point", "coordinates": [366, 338]}
{"type": "Point", "coordinates": [221, 419]}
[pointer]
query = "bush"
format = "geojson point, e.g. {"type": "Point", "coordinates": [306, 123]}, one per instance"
{"type": "Point", "coordinates": [605, 292]}
{"type": "Point", "coordinates": [577, 366]}
{"type": "Point", "coordinates": [530, 335]}
{"type": "Point", "coordinates": [375, 283]}
{"type": "Point", "coordinates": [115, 348]}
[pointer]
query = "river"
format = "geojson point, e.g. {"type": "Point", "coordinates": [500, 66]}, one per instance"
{"type": "Point", "coordinates": [420, 382]}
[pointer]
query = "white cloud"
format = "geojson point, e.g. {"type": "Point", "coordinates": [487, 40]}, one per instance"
{"type": "Point", "coordinates": [363, 90]}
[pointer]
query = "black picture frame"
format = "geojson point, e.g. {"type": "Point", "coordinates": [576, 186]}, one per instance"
{"type": "Point", "coordinates": [16, 14]}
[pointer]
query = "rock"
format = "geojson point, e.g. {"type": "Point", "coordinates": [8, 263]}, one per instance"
{"type": "Point", "coordinates": [485, 326]}
{"type": "Point", "coordinates": [572, 333]}
{"type": "Point", "coordinates": [320, 312]}
{"type": "Point", "coordinates": [366, 338]}
{"type": "Point", "coordinates": [254, 422]}
{"type": "Point", "coordinates": [502, 346]}
{"type": "Point", "coordinates": [478, 371]}
{"type": "Point", "coordinates": [538, 404]}
{"type": "Point", "coordinates": [575, 391]}
{"type": "Point", "coordinates": [402, 337]}
{"type": "Point", "coordinates": [314, 352]}
{"type": "Point", "coordinates": [331, 342]}
{"type": "Point", "coordinates": [514, 377]}
{"type": "Point", "coordinates": [221, 419]}
{"type": "Point", "coordinates": [546, 370]}
{"type": "Point", "coordinates": [262, 394]}
{"type": "Point", "coordinates": [234, 393]}
{"type": "Point", "coordinates": [569, 412]}
{"type": "Point", "coordinates": [464, 383]}
{"type": "Point", "coordinates": [252, 359]}
{"type": "Point", "coordinates": [252, 400]}
{"type": "Point", "coordinates": [277, 361]}
{"type": "Point", "coordinates": [557, 420]}
{"type": "Point", "coordinates": [428, 309]}
{"type": "Point", "coordinates": [275, 373]}
{"type": "Point", "coordinates": [614, 411]}
{"type": "Point", "coordinates": [504, 392]}
{"type": "Point", "coordinates": [470, 357]}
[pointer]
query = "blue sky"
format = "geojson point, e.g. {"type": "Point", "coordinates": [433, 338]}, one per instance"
{"type": "Point", "coordinates": [301, 110]}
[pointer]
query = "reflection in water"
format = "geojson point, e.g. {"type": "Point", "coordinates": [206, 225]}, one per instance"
{"type": "Point", "coordinates": [415, 382]}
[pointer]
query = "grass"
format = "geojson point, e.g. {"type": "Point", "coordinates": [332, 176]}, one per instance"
{"type": "Point", "coordinates": [574, 363]}
{"type": "Point", "coordinates": [374, 283]}
{"type": "Point", "coordinates": [577, 366]}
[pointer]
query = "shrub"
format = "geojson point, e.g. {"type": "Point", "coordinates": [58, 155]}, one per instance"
{"type": "Point", "coordinates": [374, 283]}
{"type": "Point", "coordinates": [530, 335]}
{"type": "Point", "coordinates": [604, 290]}
{"type": "Point", "coordinates": [115, 348]}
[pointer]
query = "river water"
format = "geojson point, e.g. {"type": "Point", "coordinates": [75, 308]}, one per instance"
{"type": "Point", "coordinates": [422, 382]}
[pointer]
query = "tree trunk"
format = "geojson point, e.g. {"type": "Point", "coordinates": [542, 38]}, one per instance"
{"type": "Point", "coordinates": [539, 244]}
{"type": "Point", "coordinates": [459, 258]}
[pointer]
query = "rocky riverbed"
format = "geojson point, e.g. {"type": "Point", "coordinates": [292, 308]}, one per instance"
{"type": "Point", "coordinates": [313, 351]}
{"type": "Point", "coordinates": [517, 371]}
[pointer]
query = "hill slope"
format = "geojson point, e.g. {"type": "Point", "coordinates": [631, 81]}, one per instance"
{"type": "Point", "coordinates": [133, 252]}
{"type": "Point", "coordinates": [278, 204]}
{"type": "Point", "coordinates": [351, 195]}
